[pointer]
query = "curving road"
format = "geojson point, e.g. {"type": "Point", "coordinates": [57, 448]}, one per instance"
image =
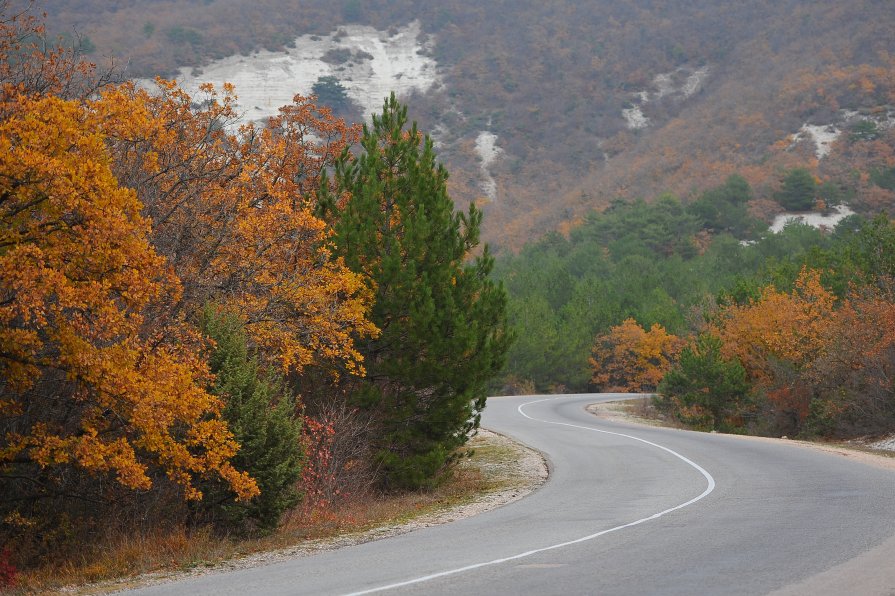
{"type": "Point", "coordinates": [627, 510]}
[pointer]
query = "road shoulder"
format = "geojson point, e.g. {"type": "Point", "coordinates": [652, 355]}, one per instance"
{"type": "Point", "coordinates": [513, 470]}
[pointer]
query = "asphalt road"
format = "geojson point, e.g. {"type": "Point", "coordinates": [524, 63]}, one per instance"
{"type": "Point", "coordinates": [627, 510]}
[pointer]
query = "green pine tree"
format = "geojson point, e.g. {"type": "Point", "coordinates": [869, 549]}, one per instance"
{"type": "Point", "coordinates": [704, 381]}
{"type": "Point", "coordinates": [443, 322]}
{"type": "Point", "coordinates": [261, 413]}
{"type": "Point", "coordinates": [799, 190]}
{"type": "Point", "coordinates": [330, 92]}
{"type": "Point", "coordinates": [723, 209]}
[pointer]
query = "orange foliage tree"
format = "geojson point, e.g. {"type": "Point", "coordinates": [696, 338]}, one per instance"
{"type": "Point", "coordinates": [32, 65]}
{"type": "Point", "coordinates": [122, 214]}
{"type": "Point", "coordinates": [87, 380]}
{"type": "Point", "coordinates": [852, 377]}
{"type": "Point", "coordinates": [824, 364]}
{"type": "Point", "coordinates": [233, 212]}
{"type": "Point", "coordinates": [778, 337]}
{"type": "Point", "coordinates": [629, 358]}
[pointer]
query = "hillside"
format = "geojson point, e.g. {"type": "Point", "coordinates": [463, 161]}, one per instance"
{"type": "Point", "coordinates": [578, 103]}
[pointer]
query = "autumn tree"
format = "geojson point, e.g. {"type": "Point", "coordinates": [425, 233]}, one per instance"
{"type": "Point", "coordinates": [444, 333]}
{"type": "Point", "coordinates": [122, 213]}
{"type": "Point", "coordinates": [91, 382]}
{"type": "Point", "coordinates": [233, 215]}
{"type": "Point", "coordinates": [30, 64]}
{"type": "Point", "coordinates": [851, 379]}
{"type": "Point", "coordinates": [629, 358]}
{"type": "Point", "coordinates": [816, 343]}
{"type": "Point", "coordinates": [777, 337]}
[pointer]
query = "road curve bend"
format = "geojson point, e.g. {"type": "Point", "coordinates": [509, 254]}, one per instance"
{"type": "Point", "coordinates": [628, 509]}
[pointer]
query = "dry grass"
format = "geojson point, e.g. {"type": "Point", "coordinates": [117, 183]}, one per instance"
{"type": "Point", "coordinates": [106, 565]}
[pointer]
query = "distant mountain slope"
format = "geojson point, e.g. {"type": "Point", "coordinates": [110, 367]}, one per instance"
{"type": "Point", "coordinates": [583, 102]}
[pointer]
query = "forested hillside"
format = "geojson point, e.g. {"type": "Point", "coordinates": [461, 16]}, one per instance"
{"type": "Point", "coordinates": [589, 101]}
{"type": "Point", "coordinates": [788, 334]}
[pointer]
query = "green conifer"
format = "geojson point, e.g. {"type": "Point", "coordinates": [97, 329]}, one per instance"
{"type": "Point", "coordinates": [260, 412]}
{"type": "Point", "coordinates": [799, 190]}
{"type": "Point", "coordinates": [703, 380]}
{"type": "Point", "coordinates": [443, 323]}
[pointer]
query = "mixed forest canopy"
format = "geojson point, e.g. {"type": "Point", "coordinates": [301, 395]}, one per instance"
{"type": "Point", "coordinates": [788, 333]}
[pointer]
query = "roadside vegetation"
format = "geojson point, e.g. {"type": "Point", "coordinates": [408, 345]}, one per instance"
{"type": "Point", "coordinates": [209, 330]}
{"type": "Point", "coordinates": [783, 334]}
{"type": "Point", "coordinates": [122, 557]}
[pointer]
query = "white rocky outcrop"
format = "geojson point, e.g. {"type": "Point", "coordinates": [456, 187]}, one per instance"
{"type": "Point", "coordinates": [370, 64]}
{"type": "Point", "coordinates": [488, 151]}
{"type": "Point", "coordinates": [822, 136]}
{"type": "Point", "coordinates": [815, 220]}
{"type": "Point", "coordinates": [680, 84]}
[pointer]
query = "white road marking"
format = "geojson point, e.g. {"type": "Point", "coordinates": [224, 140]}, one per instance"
{"type": "Point", "coordinates": [705, 493]}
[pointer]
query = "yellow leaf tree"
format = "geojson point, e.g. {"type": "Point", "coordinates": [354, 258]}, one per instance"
{"type": "Point", "coordinates": [778, 336]}
{"type": "Point", "coordinates": [629, 358]}
{"type": "Point", "coordinates": [88, 380]}
{"type": "Point", "coordinates": [233, 212]}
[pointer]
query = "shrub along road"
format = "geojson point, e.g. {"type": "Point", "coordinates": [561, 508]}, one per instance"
{"type": "Point", "coordinates": [628, 510]}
